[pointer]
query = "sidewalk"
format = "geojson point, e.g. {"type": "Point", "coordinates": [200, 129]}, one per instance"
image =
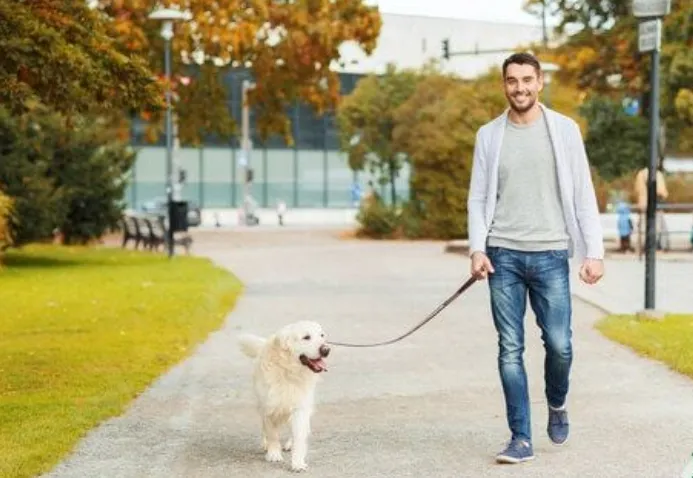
{"type": "Point", "coordinates": [428, 406]}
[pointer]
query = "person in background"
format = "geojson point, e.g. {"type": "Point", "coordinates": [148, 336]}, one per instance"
{"type": "Point", "coordinates": [625, 226]}
{"type": "Point", "coordinates": [281, 211]}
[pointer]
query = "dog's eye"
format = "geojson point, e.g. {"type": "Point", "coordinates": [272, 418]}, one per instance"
{"type": "Point", "coordinates": [306, 337]}
{"type": "Point", "coordinates": [322, 335]}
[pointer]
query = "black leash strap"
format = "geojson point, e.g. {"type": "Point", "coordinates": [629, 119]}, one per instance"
{"type": "Point", "coordinates": [430, 316]}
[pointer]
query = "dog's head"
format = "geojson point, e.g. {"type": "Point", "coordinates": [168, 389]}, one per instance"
{"type": "Point", "coordinates": [307, 343]}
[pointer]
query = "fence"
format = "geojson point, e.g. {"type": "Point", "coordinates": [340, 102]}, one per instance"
{"type": "Point", "coordinates": [301, 178]}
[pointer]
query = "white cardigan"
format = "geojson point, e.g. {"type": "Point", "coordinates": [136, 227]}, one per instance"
{"type": "Point", "coordinates": [577, 193]}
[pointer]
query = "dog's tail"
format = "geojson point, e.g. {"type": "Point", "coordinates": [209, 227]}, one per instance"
{"type": "Point", "coordinates": [251, 344]}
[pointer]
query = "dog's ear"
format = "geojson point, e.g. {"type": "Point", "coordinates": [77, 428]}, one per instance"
{"type": "Point", "coordinates": [280, 342]}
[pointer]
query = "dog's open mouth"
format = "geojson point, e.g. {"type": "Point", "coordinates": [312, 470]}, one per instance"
{"type": "Point", "coordinates": [316, 365]}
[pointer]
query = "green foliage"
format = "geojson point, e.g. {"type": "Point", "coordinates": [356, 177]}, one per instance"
{"type": "Point", "coordinates": [69, 178]}
{"type": "Point", "coordinates": [366, 124]}
{"type": "Point", "coordinates": [91, 169]}
{"type": "Point", "coordinates": [616, 143]}
{"type": "Point", "coordinates": [25, 156]}
{"type": "Point", "coordinates": [58, 53]}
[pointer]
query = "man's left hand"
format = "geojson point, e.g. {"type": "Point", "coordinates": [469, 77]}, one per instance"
{"type": "Point", "coordinates": [591, 271]}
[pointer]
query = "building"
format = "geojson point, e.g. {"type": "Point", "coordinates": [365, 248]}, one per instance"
{"type": "Point", "coordinates": [314, 173]}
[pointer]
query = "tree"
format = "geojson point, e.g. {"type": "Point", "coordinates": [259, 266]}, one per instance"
{"type": "Point", "coordinates": [58, 53]}
{"type": "Point", "coordinates": [65, 177]}
{"type": "Point", "coordinates": [366, 123]}
{"type": "Point", "coordinates": [437, 128]}
{"type": "Point", "coordinates": [616, 143]}
{"type": "Point", "coordinates": [600, 55]}
{"type": "Point", "coordinates": [289, 47]}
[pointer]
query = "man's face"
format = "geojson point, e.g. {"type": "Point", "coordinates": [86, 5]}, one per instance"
{"type": "Point", "coordinates": [522, 86]}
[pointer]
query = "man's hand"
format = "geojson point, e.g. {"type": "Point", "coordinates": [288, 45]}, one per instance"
{"type": "Point", "coordinates": [591, 271]}
{"type": "Point", "coordinates": [481, 265]}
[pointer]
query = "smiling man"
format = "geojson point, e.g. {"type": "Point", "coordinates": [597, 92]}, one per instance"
{"type": "Point", "coordinates": [532, 207]}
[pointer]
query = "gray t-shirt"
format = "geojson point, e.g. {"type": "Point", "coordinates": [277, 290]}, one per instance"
{"type": "Point", "coordinates": [529, 214]}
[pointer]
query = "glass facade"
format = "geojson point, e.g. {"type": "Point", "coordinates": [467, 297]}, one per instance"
{"type": "Point", "coordinates": [312, 173]}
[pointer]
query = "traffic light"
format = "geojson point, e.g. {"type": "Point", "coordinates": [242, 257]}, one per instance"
{"type": "Point", "coordinates": [446, 49]}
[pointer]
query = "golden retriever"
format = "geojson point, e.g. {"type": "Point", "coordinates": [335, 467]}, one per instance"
{"type": "Point", "coordinates": [287, 367]}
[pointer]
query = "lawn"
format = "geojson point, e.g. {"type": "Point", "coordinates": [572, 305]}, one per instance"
{"type": "Point", "coordinates": [84, 331]}
{"type": "Point", "coordinates": [669, 341]}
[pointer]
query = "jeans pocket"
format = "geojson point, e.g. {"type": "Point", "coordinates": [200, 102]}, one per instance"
{"type": "Point", "coordinates": [560, 254]}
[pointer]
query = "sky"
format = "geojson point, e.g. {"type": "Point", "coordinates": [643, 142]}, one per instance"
{"type": "Point", "coordinates": [502, 11]}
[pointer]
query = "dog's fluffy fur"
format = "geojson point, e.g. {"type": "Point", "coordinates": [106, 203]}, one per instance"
{"type": "Point", "coordinates": [287, 368]}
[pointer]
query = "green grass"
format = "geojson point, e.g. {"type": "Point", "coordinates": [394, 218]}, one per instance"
{"type": "Point", "coordinates": [669, 341]}
{"type": "Point", "coordinates": [84, 331]}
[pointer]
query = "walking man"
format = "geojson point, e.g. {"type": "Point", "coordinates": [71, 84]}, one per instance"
{"type": "Point", "coordinates": [532, 207]}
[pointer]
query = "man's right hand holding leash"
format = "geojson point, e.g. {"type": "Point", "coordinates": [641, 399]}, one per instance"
{"type": "Point", "coordinates": [481, 266]}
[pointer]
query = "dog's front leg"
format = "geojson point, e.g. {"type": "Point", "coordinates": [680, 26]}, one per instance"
{"type": "Point", "coordinates": [300, 428]}
{"type": "Point", "coordinates": [271, 439]}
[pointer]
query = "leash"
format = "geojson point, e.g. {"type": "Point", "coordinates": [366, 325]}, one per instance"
{"type": "Point", "coordinates": [428, 318]}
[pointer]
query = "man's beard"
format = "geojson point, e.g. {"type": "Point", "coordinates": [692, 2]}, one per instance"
{"type": "Point", "coordinates": [521, 109]}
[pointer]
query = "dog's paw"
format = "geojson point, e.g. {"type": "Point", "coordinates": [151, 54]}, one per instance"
{"type": "Point", "coordinates": [274, 456]}
{"type": "Point", "coordinates": [288, 445]}
{"type": "Point", "coordinates": [298, 466]}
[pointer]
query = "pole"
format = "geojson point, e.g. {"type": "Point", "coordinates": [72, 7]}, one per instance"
{"type": "Point", "coordinates": [246, 145]}
{"type": "Point", "coordinates": [169, 149]}
{"type": "Point", "coordinates": [651, 237]}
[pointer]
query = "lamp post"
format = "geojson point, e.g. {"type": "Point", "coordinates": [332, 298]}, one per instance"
{"type": "Point", "coordinates": [246, 148]}
{"type": "Point", "coordinates": [167, 16]}
{"type": "Point", "coordinates": [650, 14]}
{"type": "Point", "coordinates": [549, 69]}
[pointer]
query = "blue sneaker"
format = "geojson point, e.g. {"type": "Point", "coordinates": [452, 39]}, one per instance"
{"type": "Point", "coordinates": [558, 427]}
{"type": "Point", "coordinates": [517, 451]}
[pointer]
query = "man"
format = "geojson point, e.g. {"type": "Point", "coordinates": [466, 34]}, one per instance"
{"type": "Point", "coordinates": [532, 206]}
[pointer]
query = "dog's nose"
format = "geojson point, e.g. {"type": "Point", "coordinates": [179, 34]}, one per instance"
{"type": "Point", "coordinates": [324, 350]}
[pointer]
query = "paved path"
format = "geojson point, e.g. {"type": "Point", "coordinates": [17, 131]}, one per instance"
{"type": "Point", "coordinates": [622, 290]}
{"type": "Point", "coordinates": [428, 406]}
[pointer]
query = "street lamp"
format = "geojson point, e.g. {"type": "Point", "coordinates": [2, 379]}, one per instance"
{"type": "Point", "coordinates": [548, 69]}
{"type": "Point", "coordinates": [167, 16]}
{"type": "Point", "coordinates": [246, 148]}
{"type": "Point", "coordinates": [650, 14]}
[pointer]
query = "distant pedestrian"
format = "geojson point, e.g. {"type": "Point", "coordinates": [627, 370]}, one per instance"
{"type": "Point", "coordinates": [625, 226]}
{"type": "Point", "coordinates": [281, 211]}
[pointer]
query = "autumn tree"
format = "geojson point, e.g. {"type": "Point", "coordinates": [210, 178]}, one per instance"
{"type": "Point", "coordinates": [366, 124]}
{"type": "Point", "coordinates": [600, 55]}
{"type": "Point", "coordinates": [437, 128]}
{"type": "Point", "coordinates": [59, 54]}
{"type": "Point", "coordinates": [289, 47]}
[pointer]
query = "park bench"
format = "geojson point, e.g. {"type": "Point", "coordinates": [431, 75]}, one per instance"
{"type": "Point", "coordinates": [150, 231]}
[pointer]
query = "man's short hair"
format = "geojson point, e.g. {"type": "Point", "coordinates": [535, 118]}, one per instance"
{"type": "Point", "coordinates": [522, 59]}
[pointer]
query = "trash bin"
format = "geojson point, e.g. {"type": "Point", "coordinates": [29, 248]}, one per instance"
{"type": "Point", "coordinates": [179, 218]}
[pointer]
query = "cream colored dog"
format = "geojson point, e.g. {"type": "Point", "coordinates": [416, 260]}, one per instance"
{"type": "Point", "coordinates": [287, 366]}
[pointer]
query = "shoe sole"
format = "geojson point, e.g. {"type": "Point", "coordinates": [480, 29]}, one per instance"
{"type": "Point", "coordinates": [557, 443]}
{"type": "Point", "coordinates": [507, 460]}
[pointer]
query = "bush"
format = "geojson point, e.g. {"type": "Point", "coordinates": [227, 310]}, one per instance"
{"type": "Point", "coordinates": [6, 206]}
{"type": "Point", "coordinates": [68, 177]}
{"type": "Point", "coordinates": [377, 220]}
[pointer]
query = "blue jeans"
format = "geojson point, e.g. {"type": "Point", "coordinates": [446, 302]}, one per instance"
{"type": "Point", "coordinates": [544, 277]}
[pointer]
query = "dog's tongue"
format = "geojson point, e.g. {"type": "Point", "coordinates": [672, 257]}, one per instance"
{"type": "Point", "coordinates": [319, 365]}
